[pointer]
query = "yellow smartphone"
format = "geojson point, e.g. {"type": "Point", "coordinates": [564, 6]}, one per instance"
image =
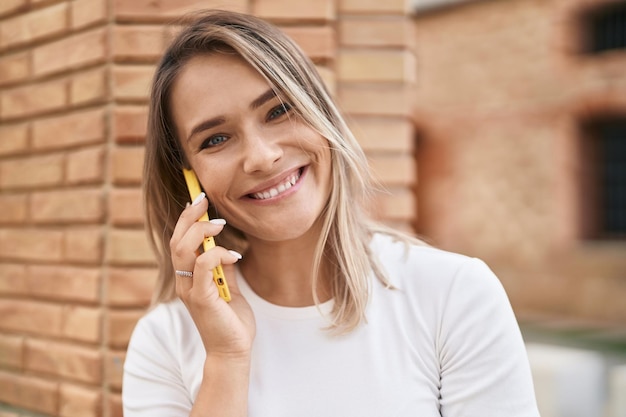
{"type": "Point", "coordinates": [218, 273]}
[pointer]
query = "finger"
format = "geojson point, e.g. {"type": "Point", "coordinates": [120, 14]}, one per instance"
{"type": "Point", "coordinates": [183, 285]}
{"type": "Point", "coordinates": [184, 250]}
{"type": "Point", "coordinates": [231, 278]}
{"type": "Point", "coordinates": [205, 263]}
{"type": "Point", "coordinates": [189, 216]}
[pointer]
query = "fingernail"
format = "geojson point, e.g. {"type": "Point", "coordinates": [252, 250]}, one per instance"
{"type": "Point", "coordinates": [219, 222]}
{"type": "Point", "coordinates": [188, 204]}
{"type": "Point", "coordinates": [235, 254]}
{"type": "Point", "coordinates": [198, 199]}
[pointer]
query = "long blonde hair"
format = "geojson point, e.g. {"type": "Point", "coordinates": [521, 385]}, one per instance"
{"type": "Point", "coordinates": [347, 229]}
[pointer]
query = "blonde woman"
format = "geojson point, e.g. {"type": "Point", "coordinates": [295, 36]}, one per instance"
{"type": "Point", "coordinates": [331, 314]}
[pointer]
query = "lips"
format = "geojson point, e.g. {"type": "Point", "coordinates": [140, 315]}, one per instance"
{"type": "Point", "coordinates": [278, 189]}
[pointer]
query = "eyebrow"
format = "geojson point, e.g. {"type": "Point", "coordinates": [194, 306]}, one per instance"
{"type": "Point", "coordinates": [262, 99]}
{"type": "Point", "coordinates": [216, 121]}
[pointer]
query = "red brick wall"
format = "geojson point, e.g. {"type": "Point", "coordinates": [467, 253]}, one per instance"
{"type": "Point", "coordinates": [54, 109]}
{"type": "Point", "coordinates": [75, 268]}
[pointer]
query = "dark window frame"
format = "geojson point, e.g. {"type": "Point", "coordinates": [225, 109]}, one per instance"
{"type": "Point", "coordinates": [603, 178]}
{"type": "Point", "coordinates": [604, 28]}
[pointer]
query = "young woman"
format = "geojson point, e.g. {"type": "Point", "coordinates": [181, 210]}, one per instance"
{"type": "Point", "coordinates": [331, 314]}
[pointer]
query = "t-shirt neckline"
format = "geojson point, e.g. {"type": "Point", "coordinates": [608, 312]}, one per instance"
{"type": "Point", "coordinates": [260, 305]}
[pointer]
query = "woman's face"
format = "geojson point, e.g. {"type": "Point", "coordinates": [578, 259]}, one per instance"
{"type": "Point", "coordinates": [265, 170]}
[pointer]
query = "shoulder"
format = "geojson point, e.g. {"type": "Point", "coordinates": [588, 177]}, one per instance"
{"type": "Point", "coordinates": [432, 274]}
{"type": "Point", "coordinates": [167, 316]}
{"type": "Point", "coordinates": [162, 329]}
{"type": "Point", "coordinates": [161, 358]}
{"type": "Point", "coordinates": [402, 257]}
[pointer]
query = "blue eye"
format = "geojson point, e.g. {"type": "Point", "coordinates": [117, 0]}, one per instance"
{"type": "Point", "coordinates": [279, 111]}
{"type": "Point", "coordinates": [213, 141]}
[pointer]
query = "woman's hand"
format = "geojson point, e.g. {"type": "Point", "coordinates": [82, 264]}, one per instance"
{"type": "Point", "coordinates": [227, 329]}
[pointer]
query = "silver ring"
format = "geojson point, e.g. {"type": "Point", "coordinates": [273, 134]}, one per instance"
{"type": "Point", "coordinates": [187, 274]}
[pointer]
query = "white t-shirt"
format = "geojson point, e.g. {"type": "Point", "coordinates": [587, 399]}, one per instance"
{"type": "Point", "coordinates": [443, 342]}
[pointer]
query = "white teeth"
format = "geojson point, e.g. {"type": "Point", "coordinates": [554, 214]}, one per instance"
{"type": "Point", "coordinates": [274, 191]}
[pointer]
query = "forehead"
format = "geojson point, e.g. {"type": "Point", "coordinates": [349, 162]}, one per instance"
{"type": "Point", "coordinates": [211, 85]}
{"type": "Point", "coordinates": [215, 70]}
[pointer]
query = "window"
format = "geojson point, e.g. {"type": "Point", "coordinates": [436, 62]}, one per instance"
{"type": "Point", "coordinates": [604, 179]}
{"type": "Point", "coordinates": [607, 28]}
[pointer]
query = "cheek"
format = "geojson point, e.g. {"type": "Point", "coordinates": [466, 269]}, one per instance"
{"type": "Point", "coordinates": [215, 185]}
{"type": "Point", "coordinates": [325, 162]}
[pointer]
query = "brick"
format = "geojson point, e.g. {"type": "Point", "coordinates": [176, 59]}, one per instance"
{"type": "Point", "coordinates": [85, 166]}
{"type": "Point", "coordinates": [318, 42]}
{"type": "Point", "coordinates": [33, 26]}
{"type": "Point", "coordinates": [83, 245]}
{"type": "Point", "coordinates": [73, 129]}
{"type": "Point", "coordinates": [125, 207]}
{"type": "Point", "coordinates": [14, 208]}
{"type": "Point", "coordinates": [83, 324]}
{"type": "Point", "coordinates": [11, 351]}
{"type": "Point", "coordinates": [40, 318]}
{"type": "Point", "coordinates": [374, 7]}
{"type": "Point", "coordinates": [375, 31]}
{"type": "Point", "coordinates": [329, 78]}
{"type": "Point", "coordinates": [70, 53]}
{"type": "Point", "coordinates": [130, 123]}
{"type": "Point", "coordinates": [281, 9]}
{"type": "Point", "coordinates": [130, 287]}
{"type": "Point", "coordinates": [376, 66]}
{"type": "Point", "coordinates": [14, 138]}
{"type": "Point", "coordinates": [126, 165]}
{"type": "Point", "coordinates": [10, 6]}
{"type": "Point", "coordinates": [129, 247]}
{"type": "Point", "coordinates": [13, 279]}
{"type": "Point", "coordinates": [393, 169]}
{"type": "Point", "coordinates": [78, 401]}
{"type": "Point", "coordinates": [34, 171]}
{"type": "Point", "coordinates": [376, 100]}
{"type": "Point", "coordinates": [165, 10]}
{"type": "Point", "coordinates": [120, 325]}
{"type": "Point", "coordinates": [31, 245]}
{"type": "Point", "coordinates": [389, 134]}
{"type": "Point", "coordinates": [33, 99]}
{"type": "Point", "coordinates": [88, 87]}
{"type": "Point", "coordinates": [138, 43]}
{"type": "Point", "coordinates": [87, 12]}
{"type": "Point", "coordinates": [29, 392]}
{"type": "Point", "coordinates": [114, 405]}
{"type": "Point", "coordinates": [58, 282]}
{"type": "Point", "coordinates": [14, 68]}
{"type": "Point", "coordinates": [64, 360]}
{"type": "Point", "coordinates": [399, 204]}
{"type": "Point", "coordinates": [132, 82]}
{"type": "Point", "coordinates": [68, 206]}
{"type": "Point", "coordinates": [114, 368]}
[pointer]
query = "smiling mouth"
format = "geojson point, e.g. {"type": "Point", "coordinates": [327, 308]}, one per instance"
{"type": "Point", "coordinates": [289, 182]}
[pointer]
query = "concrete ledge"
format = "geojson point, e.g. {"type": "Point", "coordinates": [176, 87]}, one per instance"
{"type": "Point", "coordinates": [568, 382]}
{"type": "Point", "coordinates": [617, 391]}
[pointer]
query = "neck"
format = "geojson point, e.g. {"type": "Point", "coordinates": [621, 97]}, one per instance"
{"type": "Point", "coordinates": [282, 272]}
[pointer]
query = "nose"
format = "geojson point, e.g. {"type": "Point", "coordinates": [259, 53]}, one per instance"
{"type": "Point", "coordinates": [261, 151]}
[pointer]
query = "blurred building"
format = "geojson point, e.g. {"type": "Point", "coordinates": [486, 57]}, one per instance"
{"type": "Point", "coordinates": [520, 112]}
{"type": "Point", "coordinates": [497, 127]}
